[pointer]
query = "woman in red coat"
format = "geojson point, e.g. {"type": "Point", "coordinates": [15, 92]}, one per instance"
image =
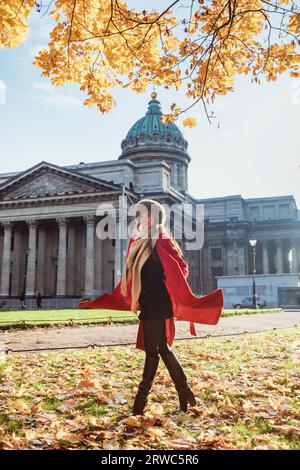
{"type": "Point", "coordinates": [155, 305]}
{"type": "Point", "coordinates": [154, 283]}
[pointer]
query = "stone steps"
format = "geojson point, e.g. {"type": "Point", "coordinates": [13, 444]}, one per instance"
{"type": "Point", "coordinates": [47, 304]}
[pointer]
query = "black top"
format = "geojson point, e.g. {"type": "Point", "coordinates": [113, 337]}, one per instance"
{"type": "Point", "coordinates": [154, 298]}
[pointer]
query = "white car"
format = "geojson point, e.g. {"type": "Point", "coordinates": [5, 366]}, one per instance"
{"type": "Point", "coordinates": [247, 302]}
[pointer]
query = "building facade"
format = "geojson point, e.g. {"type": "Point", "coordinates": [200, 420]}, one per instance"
{"type": "Point", "coordinates": [232, 221]}
{"type": "Point", "coordinates": [277, 290]}
{"type": "Point", "coordinates": [48, 219]}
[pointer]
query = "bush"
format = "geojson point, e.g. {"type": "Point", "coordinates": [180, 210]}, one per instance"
{"type": "Point", "coordinates": [3, 305]}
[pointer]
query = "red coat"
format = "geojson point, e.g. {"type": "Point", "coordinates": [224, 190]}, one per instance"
{"type": "Point", "coordinates": [186, 306]}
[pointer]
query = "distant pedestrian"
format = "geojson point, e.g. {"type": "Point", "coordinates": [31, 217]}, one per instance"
{"type": "Point", "coordinates": [39, 300]}
{"type": "Point", "coordinates": [22, 300]}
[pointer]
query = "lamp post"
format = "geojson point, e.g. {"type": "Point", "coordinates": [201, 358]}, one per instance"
{"type": "Point", "coordinates": [254, 302]}
{"type": "Point", "coordinates": [27, 251]}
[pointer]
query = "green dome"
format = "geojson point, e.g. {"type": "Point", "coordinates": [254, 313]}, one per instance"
{"type": "Point", "coordinates": [150, 132]}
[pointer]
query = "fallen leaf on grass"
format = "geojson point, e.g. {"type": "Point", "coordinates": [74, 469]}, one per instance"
{"type": "Point", "coordinates": [68, 437]}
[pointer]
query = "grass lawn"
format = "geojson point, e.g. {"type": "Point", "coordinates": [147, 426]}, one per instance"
{"type": "Point", "coordinates": [53, 317]}
{"type": "Point", "coordinates": [247, 389]}
{"type": "Point", "coordinates": [80, 316]}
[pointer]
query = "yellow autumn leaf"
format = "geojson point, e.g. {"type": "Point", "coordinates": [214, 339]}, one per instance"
{"type": "Point", "coordinates": [54, 15]}
{"type": "Point", "coordinates": [189, 122]}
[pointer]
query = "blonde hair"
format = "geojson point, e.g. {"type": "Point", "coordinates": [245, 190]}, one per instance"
{"type": "Point", "coordinates": [158, 215]}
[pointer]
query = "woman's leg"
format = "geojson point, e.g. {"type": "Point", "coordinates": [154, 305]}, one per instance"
{"type": "Point", "coordinates": [152, 330]}
{"type": "Point", "coordinates": [152, 333]}
{"type": "Point", "coordinates": [170, 360]}
{"type": "Point", "coordinates": [176, 371]}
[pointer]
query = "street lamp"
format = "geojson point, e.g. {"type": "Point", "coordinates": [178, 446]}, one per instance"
{"type": "Point", "coordinates": [26, 251]}
{"type": "Point", "coordinates": [253, 244]}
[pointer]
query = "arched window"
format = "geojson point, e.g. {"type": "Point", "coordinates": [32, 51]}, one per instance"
{"type": "Point", "coordinates": [178, 174]}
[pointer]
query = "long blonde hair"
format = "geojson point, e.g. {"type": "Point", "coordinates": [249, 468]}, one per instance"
{"type": "Point", "coordinates": [158, 216]}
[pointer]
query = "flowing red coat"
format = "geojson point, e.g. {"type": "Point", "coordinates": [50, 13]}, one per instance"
{"type": "Point", "coordinates": [186, 305]}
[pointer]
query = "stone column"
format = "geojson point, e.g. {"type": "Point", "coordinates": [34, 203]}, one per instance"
{"type": "Point", "coordinates": [17, 258]}
{"type": "Point", "coordinates": [31, 264]}
{"type": "Point", "coordinates": [41, 261]}
{"type": "Point", "coordinates": [89, 255]}
{"type": "Point", "coordinates": [71, 262]}
{"type": "Point", "coordinates": [265, 257]}
{"type": "Point", "coordinates": [117, 253]}
{"type": "Point", "coordinates": [294, 267]}
{"type": "Point", "coordinates": [98, 264]}
{"type": "Point", "coordinates": [279, 260]}
{"type": "Point", "coordinates": [241, 256]}
{"type": "Point", "coordinates": [5, 272]}
{"type": "Point", "coordinates": [62, 256]}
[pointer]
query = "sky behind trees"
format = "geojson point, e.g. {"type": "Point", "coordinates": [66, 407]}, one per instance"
{"type": "Point", "coordinates": [251, 148]}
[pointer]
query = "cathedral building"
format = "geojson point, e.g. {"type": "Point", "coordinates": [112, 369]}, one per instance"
{"type": "Point", "coordinates": [48, 219]}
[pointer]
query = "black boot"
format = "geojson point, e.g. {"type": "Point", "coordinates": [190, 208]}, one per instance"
{"type": "Point", "coordinates": [150, 368]}
{"type": "Point", "coordinates": [179, 378]}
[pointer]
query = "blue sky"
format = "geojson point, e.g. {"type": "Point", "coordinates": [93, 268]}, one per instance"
{"type": "Point", "coordinates": [251, 148]}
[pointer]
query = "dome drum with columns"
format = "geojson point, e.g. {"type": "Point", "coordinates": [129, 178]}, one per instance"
{"type": "Point", "coordinates": [150, 139]}
{"type": "Point", "coordinates": [150, 132]}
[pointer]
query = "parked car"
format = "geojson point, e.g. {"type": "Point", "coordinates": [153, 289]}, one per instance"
{"type": "Point", "coordinates": [247, 302]}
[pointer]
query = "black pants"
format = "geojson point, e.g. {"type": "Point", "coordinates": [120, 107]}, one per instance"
{"type": "Point", "coordinates": [155, 341]}
{"type": "Point", "coordinates": [155, 345]}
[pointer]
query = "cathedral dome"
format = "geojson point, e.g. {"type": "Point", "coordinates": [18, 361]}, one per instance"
{"type": "Point", "coordinates": [150, 133]}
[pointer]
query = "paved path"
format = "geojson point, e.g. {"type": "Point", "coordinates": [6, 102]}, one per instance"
{"type": "Point", "coordinates": [78, 336]}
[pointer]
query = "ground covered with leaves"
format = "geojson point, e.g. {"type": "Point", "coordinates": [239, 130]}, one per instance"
{"type": "Point", "coordinates": [247, 389]}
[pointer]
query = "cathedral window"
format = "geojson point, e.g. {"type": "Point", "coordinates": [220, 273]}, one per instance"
{"type": "Point", "coordinates": [178, 174]}
{"type": "Point", "coordinates": [216, 254]}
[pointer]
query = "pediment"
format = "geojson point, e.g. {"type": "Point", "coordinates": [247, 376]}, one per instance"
{"type": "Point", "coordinates": [47, 180]}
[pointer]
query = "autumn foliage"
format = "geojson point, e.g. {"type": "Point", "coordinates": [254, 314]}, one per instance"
{"type": "Point", "coordinates": [200, 46]}
{"type": "Point", "coordinates": [247, 387]}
